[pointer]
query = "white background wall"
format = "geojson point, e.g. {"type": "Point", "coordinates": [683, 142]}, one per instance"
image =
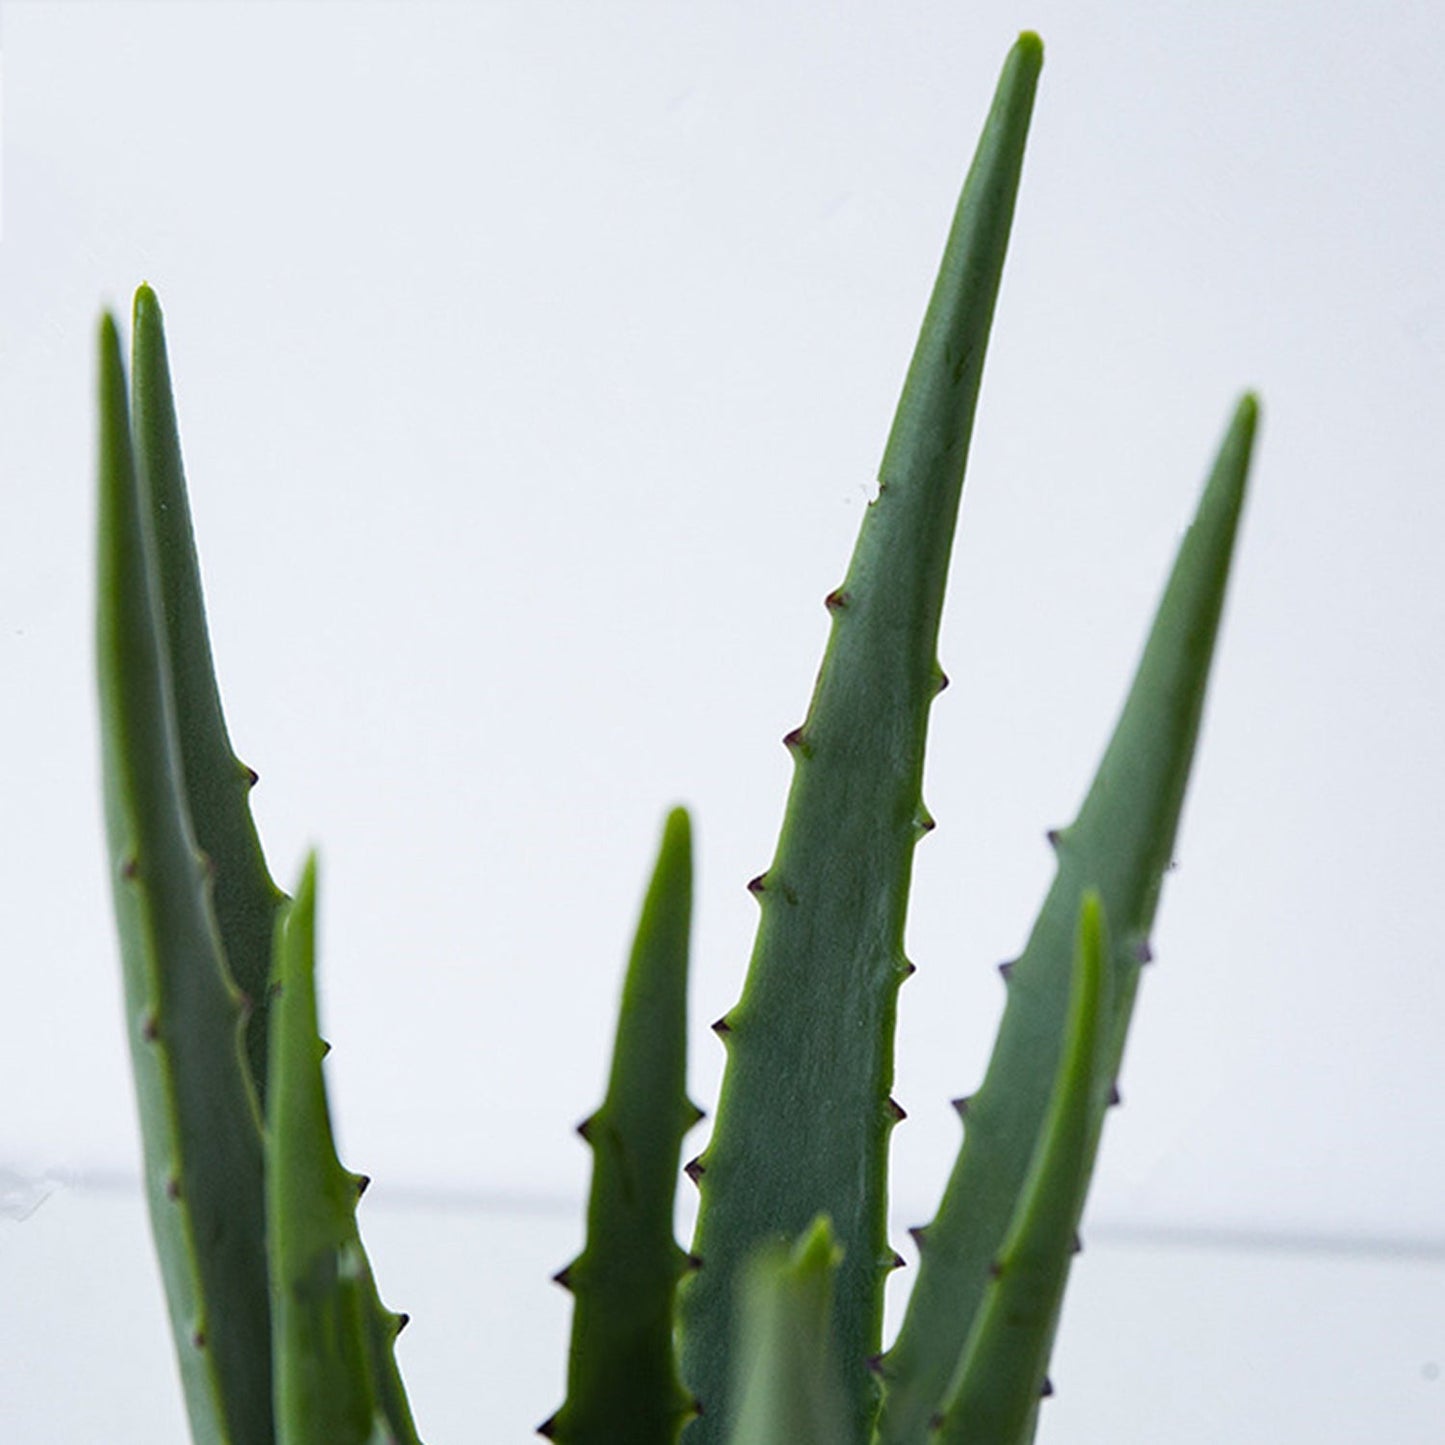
{"type": "Point", "coordinates": [534, 362]}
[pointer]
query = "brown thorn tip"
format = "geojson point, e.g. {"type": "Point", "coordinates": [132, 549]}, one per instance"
{"type": "Point", "coordinates": [199, 1339]}
{"type": "Point", "coordinates": [909, 968]}
{"type": "Point", "coordinates": [1053, 835]}
{"type": "Point", "coordinates": [1077, 1245]}
{"type": "Point", "coordinates": [995, 1269]}
{"type": "Point", "coordinates": [402, 1321]}
{"type": "Point", "coordinates": [695, 1169]}
{"type": "Point", "coordinates": [548, 1428]}
{"type": "Point", "coordinates": [173, 1188]}
{"type": "Point", "coordinates": [756, 885]}
{"type": "Point", "coordinates": [960, 1106]}
{"type": "Point", "coordinates": [1005, 970]}
{"type": "Point", "coordinates": [1114, 1096]}
{"type": "Point", "coordinates": [875, 1365]}
{"type": "Point", "coordinates": [694, 1261]}
{"type": "Point", "coordinates": [896, 1110]}
{"type": "Point", "coordinates": [721, 1027]}
{"type": "Point", "coordinates": [363, 1183]}
{"type": "Point", "coordinates": [918, 1233]}
{"type": "Point", "coordinates": [793, 739]}
{"type": "Point", "coordinates": [584, 1129]}
{"type": "Point", "coordinates": [1143, 953]}
{"type": "Point", "coordinates": [150, 1028]}
{"type": "Point", "coordinates": [935, 1421]}
{"type": "Point", "coordinates": [942, 679]}
{"type": "Point", "coordinates": [896, 1262]}
{"type": "Point", "coordinates": [564, 1276]}
{"type": "Point", "coordinates": [129, 866]}
{"type": "Point", "coordinates": [1046, 1389]}
{"type": "Point", "coordinates": [836, 600]}
{"type": "Point", "coordinates": [252, 777]}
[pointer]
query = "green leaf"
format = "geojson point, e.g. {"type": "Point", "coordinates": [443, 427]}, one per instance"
{"type": "Point", "coordinates": [202, 1143]}
{"type": "Point", "coordinates": [622, 1378]}
{"type": "Point", "coordinates": [787, 1385]}
{"type": "Point", "coordinates": [805, 1116]}
{"type": "Point", "coordinates": [1120, 846]}
{"type": "Point", "coordinates": [336, 1377]}
{"type": "Point", "coordinates": [1006, 1361]}
{"type": "Point", "coordinates": [217, 784]}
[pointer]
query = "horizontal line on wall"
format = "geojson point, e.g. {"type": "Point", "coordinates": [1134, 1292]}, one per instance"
{"type": "Point", "coordinates": [21, 1193]}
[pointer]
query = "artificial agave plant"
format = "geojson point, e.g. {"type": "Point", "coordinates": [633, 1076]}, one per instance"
{"type": "Point", "coordinates": [768, 1332]}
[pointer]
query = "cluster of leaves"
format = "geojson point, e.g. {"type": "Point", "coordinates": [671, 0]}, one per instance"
{"type": "Point", "coordinates": [769, 1329]}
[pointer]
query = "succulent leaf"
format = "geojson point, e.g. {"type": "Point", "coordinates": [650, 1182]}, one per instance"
{"type": "Point", "coordinates": [217, 784]}
{"type": "Point", "coordinates": [804, 1121]}
{"type": "Point", "coordinates": [622, 1379]}
{"type": "Point", "coordinates": [787, 1386]}
{"type": "Point", "coordinates": [337, 1381]}
{"type": "Point", "coordinates": [199, 1129]}
{"type": "Point", "coordinates": [1006, 1360]}
{"type": "Point", "coordinates": [1120, 845]}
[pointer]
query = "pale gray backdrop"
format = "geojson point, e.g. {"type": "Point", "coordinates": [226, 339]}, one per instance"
{"type": "Point", "coordinates": [534, 362]}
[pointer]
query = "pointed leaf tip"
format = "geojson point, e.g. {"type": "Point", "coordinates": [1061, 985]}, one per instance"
{"type": "Point", "coordinates": [108, 334]}
{"type": "Point", "coordinates": [1237, 449]}
{"type": "Point", "coordinates": [145, 306]}
{"type": "Point", "coordinates": [1030, 46]}
{"type": "Point", "coordinates": [677, 829]}
{"type": "Point", "coordinates": [308, 876]}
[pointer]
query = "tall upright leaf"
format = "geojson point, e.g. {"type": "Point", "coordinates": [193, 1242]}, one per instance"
{"type": "Point", "coordinates": [337, 1381]}
{"type": "Point", "coordinates": [1003, 1372]}
{"type": "Point", "coordinates": [786, 1378]}
{"type": "Point", "coordinates": [805, 1115]}
{"type": "Point", "coordinates": [622, 1374]}
{"type": "Point", "coordinates": [202, 1142]}
{"type": "Point", "coordinates": [1120, 846]}
{"type": "Point", "coordinates": [217, 784]}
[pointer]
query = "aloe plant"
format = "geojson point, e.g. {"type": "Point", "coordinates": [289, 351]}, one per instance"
{"type": "Point", "coordinates": [769, 1328]}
